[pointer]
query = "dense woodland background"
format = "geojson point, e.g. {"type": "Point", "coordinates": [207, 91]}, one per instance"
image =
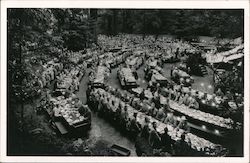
{"type": "Point", "coordinates": [50, 29]}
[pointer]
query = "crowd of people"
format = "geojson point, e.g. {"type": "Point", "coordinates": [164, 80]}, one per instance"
{"type": "Point", "coordinates": [124, 112]}
{"type": "Point", "coordinates": [65, 74]}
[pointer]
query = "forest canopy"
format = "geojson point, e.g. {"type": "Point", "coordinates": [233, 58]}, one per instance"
{"type": "Point", "coordinates": [74, 29]}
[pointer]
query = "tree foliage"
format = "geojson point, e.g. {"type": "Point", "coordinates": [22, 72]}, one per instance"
{"type": "Point", "coordinates": [180, 22]}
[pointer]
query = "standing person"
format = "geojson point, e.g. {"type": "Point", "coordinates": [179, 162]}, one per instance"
{"type": "Point", "coordinates": [166, 142]}
{"type": "Point", "coordinates": [182, 148]}
{"type": "Point", "coordinates": [142, 141]}
{"type": "Point", "coordinates": [124, 117]}
{"type": "Point", "coordinates": [154, 137]}
{"type": "Point", "coordinates": [146, 130]}
{"type": "Point", "coordinates": [177, 53]}
{"type": "Point", "coordinates": [88, 92]}
{"type": "Point", "coordinates": [134, 126]}
{"type": "Point", "coordinates": [142, 95]}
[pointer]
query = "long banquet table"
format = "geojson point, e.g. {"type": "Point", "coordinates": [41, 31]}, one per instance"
{"type": "Point", "coordinates": [197, 143]}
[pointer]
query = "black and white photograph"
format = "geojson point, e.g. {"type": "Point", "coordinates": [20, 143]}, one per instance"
{"type": "Point", "coordinates": [125, 82]}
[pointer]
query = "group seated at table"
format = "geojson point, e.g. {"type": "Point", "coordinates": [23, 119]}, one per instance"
{"type": "Point", "coordinates": [148, 127]}
{"type": "Point", "coordinates": [51, 70]}
{"type": "Point", "coordinates": [186, 102]}
{"type": "Point", "coordinates": [118, 57]}
{"type": "Point", "coordinates": [181, 77]}
{"type": "Point", "coordinates": [127, 77]}
{"type": "Point", "coordinates": [69, 79]}
{"type": "Point", "coordinates": [218, 103]}
{"type": "Point", "coordinates": [99, 75]}
{"type": "Point", "coordinates": [134, 61]}
{"type": "Point", "coordinates": [152, 62]}
{"type": "Point", "coordinates": [154, 76]}
{"type": "Point", "coordinates": [69, 111]}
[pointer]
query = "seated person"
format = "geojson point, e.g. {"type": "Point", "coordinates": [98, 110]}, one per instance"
{"type": "Point", "coordinates": [229, 95]}
{"type": "Point", "coordinates": [212, 101]}
{"type": "Point", "coordinates": [183, 124]}
{"type": "Point", "coordinates": [219, 93]}
{"type": "Point", "coordinates": [171, 119]}
{"type": "Point", "coordinates": [239, 99]}
{"type": "Point", "coordinates": [197, 95]}
{"type": "Point", "coordinates": [175, 73]}
{"type": "Point", "coordinates": [181, 99]}
{"type": "Point", "coordinates": [134, 102]}
{"type": "Point", "coordinates": [144, 107]}
{"type": "Point", "coordinates": [171, 94]}
{"type": "Point", "coordinates": [204, 97]}
{"type": "Point", "coordinates": [150, 85]}
{"type": "Point", "coordinates": [152, 110]}
{"type": "Point", "coordinates": [193, 103]}
{"type": "Point", "coordinates": [78, 103]}
{"type": "Point", "coordinates": [84, 111]}
{"type": "Point", "coordinates": [160, 115]}
{"type": "Point", "coordinates": [177, 97]}
{"type": "Point", "coordinates": [186, 99]}
{"type": "Point", "coordinates": [182, 81]}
